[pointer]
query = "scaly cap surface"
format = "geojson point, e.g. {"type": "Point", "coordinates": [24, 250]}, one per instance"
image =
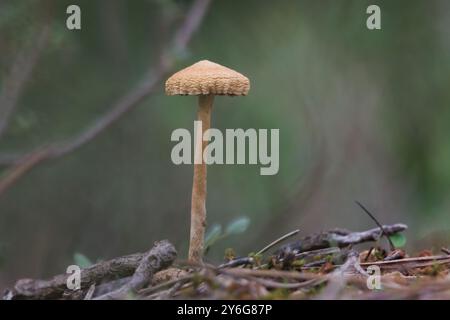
{"type": "Point", "coordinates": [206, 77]}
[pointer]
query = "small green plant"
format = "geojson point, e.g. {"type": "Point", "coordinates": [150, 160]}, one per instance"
{"type": "Point", "coordinates": [216, 232]}
{"type": "Point", "coordinates": [81, 260]}
{"type": "Point", "coordinates": [237, 226]}
{"type": "Point", "coordinates": [257, 258]}
{"type": "Point", "coordinates": [298, 263]}
{"type": "Point", "coordinates": [230, 254]}
{"type": "Point", "coordinates": [398, 239]}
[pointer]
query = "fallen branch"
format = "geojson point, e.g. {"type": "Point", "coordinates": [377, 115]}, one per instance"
{"type": "Point", "coordinates": [338, 239]}
{"type": "Point", "coordinates": [158, 258]}
{"type": "Point", "coordinates": [56, 288]}
{"type": "Point", "coordinates": [325, 243]}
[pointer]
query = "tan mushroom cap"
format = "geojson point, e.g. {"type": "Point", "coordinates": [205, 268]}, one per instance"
{"type": "Point", "coordinates": [206, 77]}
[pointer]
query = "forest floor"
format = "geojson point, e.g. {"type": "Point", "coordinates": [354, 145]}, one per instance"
{"type": "Point", "coordinates": [319, 266]}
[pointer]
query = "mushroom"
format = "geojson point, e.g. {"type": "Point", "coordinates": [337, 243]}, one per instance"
{"type": "Point", "coordinates": [204, 79]}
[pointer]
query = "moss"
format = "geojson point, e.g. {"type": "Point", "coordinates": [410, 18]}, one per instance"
{"type": "Point", "coordinates": [298, 263]}
{"type": "Point", "coordinates": [230, 254]}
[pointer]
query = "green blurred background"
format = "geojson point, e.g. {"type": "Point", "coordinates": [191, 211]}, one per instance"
{"type": "Point", "coordinates": [363, 115]}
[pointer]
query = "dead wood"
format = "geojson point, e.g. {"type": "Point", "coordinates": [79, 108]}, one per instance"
{"type": "Point", "coordinates": [140, 265]}
{"type": "Point", "coordinates": [334, 238]}
{"type": "Point", "coordinates": [158, 258]}
{"type": "Point", "coordinates": [337, 271]}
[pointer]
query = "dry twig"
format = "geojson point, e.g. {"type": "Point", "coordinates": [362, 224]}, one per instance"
{"type": "Point", "coordinates": [158, 258]}
{"type": "Point", "coordinates": [277, 241]}
{"type": "Point", "coordinates": [56, 288]}
{"type": "Point", "coordinates": [391, 244]}
{"type": "Point", "coordinates": [128, 102]}
{"type": "Point", "coordinates": [339, 239]}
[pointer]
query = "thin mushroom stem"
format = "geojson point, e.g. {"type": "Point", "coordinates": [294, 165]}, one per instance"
{"type": "Point", "coordinates": [198, 202]}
